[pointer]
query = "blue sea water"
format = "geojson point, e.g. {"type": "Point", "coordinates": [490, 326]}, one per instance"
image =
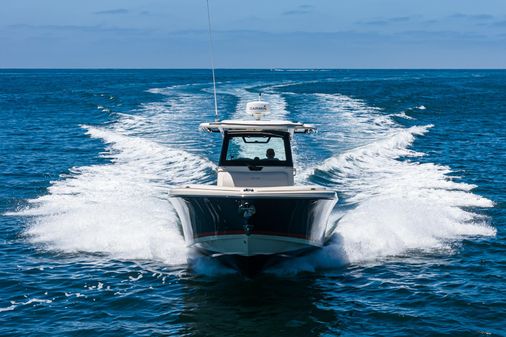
{"type": "Point", "coordinates": [89, 240]}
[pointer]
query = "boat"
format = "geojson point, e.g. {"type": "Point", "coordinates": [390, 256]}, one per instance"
{"type": "Point", "coordinates": [254, 214]}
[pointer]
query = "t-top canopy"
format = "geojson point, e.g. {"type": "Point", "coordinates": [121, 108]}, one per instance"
{"type": "Point", "coordinates": [241, 125]}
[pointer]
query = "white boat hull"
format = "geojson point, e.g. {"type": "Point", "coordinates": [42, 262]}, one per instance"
{"type": "Point", "coordinates": [251, 245]}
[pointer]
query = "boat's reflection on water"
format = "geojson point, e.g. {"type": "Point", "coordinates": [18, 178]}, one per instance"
{"type": "Point", "coordinates": [267, 305]}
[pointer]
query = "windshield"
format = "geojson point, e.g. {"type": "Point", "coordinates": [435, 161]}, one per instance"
{"type": "Point", "coordinates": [258, 149]}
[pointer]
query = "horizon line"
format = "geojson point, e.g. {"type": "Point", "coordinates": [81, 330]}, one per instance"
{"type": "Point", "coordinates": [245, 68]}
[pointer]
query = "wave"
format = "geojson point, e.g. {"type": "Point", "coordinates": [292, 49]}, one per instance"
{"type": "Point", "coordinates": [354, 118]}
{"type": "Point", "coordinates": [343, 123]}
{"type": "Point", "coordinates": [403, 115]}
{"type": "Point", "coordinates": [395, 204]}
{"type": "Point", "coordinates": [121, 208]}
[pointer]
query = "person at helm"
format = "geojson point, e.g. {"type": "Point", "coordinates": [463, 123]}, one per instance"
{"type": "Point", "coordinates": [270, 154]}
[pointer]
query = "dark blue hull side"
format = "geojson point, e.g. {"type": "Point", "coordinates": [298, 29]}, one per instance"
{"type": "Point", "coordinates": [294, 217]}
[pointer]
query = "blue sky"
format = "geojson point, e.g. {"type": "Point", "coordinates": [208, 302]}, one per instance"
{"type": "Point", "coordinates": [254, 34]}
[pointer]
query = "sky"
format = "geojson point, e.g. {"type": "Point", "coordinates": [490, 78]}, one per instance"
{"type": "Point", "coordinates": [253, 34]}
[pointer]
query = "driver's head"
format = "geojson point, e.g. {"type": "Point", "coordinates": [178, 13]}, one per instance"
{"type": "Point", "coordinates": [270, 153]}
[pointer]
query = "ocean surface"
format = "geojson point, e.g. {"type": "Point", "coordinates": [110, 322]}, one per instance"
{"type": "Point", "coordinates": [89, 244]}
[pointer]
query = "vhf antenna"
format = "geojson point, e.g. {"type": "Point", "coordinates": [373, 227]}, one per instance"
{"type": "Point", "coordinates": [212, 62]}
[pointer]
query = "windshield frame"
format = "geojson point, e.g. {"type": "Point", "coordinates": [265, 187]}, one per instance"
{"type": "Point", "coordinates": [228, 135]}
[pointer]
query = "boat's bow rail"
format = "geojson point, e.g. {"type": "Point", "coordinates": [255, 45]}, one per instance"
{"type": "Point", "coordinates": [253, 192]}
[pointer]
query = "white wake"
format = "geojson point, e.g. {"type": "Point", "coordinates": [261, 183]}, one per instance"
{"type": "Point", "coordinates": [121, 208]}
{"type": "Point", "coordinates": [393, 202]}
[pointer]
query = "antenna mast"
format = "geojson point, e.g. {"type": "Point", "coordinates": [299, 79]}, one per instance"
{"type": "Point", "coordinates": [212, 61]}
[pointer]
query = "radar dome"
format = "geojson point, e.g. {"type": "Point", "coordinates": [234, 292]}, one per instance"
{"type": "Point", "coordinates": [258, 109]}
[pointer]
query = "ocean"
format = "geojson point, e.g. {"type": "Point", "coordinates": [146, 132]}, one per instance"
{"type": "Point", "coordinates": [90, 244]}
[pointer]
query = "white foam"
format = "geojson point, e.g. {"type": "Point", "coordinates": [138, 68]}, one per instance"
{"type": "Point", "coordinates": [398, 205]}
{"type": "Point", "coordinates": [206, 265]}
{"type": "Point", "coordinates": [15, 304]}
{"type": "Point", "coordinates": [103, 109]}
{"type": "Point", "coordinates": [131, 278]}
{"type": "Point", "coordinates": [172, 90]}
{"type": "Point", "coordinates": [37, 300]}
{"type": "Point", "coordinates": [159, 90]}
{"type": "Point", "coordinates": [352, 111]}
{"type": "Point", "coordinates": [9, 308]}
{"type": "Point", "coordinates": [173, 121]}
{"type": "Point", "coordinates": [384, 226]}
{"type": "Point", "coordinates": [121, 208]}
{"type": "Point", "coordinates": [343, 122]}
{"type": "Point", "coordinates": [403, 115]}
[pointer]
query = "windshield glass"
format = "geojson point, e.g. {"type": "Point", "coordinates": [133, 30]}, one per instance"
{"type": "Point", "coordinates": [268, 149]}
